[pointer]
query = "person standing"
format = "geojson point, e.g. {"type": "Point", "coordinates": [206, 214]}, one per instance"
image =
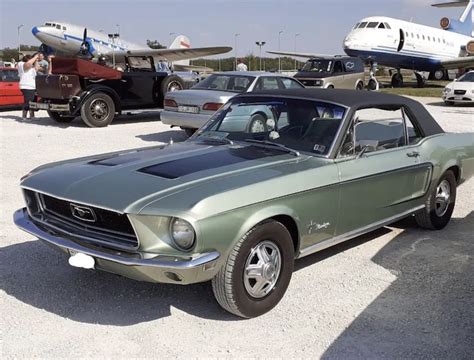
{"type": "Point", "coordinates": [241, 66]}
{"type": "Point", "coordinates": [27, 72]}
{"type": "Point", "coordinates": [43, 65]}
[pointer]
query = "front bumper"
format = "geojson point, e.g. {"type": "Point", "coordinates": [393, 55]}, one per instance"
{"type": "Point", "coordinates": [139, 266]}
{"type": "Point", "coordinates": [49, 106]}
{"type": "Point", "coordinates": [185, 120]}
{"type": "Point", "coordinates": [465, 98]}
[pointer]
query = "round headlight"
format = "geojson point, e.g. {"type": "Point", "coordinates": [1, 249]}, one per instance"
{"type": "Point", "coordinates": [182, 233]}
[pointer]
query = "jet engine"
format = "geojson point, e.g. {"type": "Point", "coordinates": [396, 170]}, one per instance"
{"type": "Point", "coordinates": [455, 26]}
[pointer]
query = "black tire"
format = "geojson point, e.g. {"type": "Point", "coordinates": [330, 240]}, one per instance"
{"type": "Point", "coordinates": [449, 103]}
{"type": "Point", "coordinates": [372, 85]}
{"type": "Point", "coordinates": [431, 217]}
{"type": "Point", "coordinates": [58, 117]}
{"type": "Point", "coordinates": [330, 87]}
{"type": "Point", "coordinates": [171, 83]}
{"type": "Point", "coordinates": [397, 80]}
{"type": "Point", "coordinates": [98, 110]}
{"type": "Point", "coordinates": [360, 86]}
{"type": "Point", "coordinates": [258, 123]}
{"type": "Point", "coordinates": [229, 285]}
{"type": "Point", "coordinates": [189, 131]}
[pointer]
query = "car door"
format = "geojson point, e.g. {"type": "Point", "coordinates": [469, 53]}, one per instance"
{"type": "Point", "coordinates": [337, 77]}
{"type": "Point", "coordinates": [10, 93]}
{"type": "Point", "coordinates": [381, 176]}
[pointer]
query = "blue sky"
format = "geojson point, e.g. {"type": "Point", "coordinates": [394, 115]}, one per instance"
{"type": "Point", "coordinates": [321, 23]}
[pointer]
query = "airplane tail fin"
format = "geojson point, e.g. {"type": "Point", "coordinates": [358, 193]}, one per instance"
{"type": "Point", "coordinates": [181, 42]}
{"type": "Point", "coordinates": [464, 25]}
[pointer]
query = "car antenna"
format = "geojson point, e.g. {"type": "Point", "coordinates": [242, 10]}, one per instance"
{"type": "Point", "coordinates": [171, 141]}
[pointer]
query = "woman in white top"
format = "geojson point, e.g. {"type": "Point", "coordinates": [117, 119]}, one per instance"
{"type": "Point", "coordinates": [27, 72]}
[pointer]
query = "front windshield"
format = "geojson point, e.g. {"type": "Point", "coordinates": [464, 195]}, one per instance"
{"type": "Point", "coordinates": [318, 65]}
{"type": "Point", "coordinates": [224, 82]}
{"type": "Point", "coordinates": [302, 125]}
{"type": "Point", "coordinates": [468, 77]}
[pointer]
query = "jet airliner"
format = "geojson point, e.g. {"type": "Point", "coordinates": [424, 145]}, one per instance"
{"type": "Point", "coordinates": [405, 45]}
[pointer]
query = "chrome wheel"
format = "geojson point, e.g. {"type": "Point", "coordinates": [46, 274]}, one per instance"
{"type": "Point", "coordinates": [262, 269]}
{"type": "Point", "coordinates": [258, 126]}
{"type": "Point", "coordinates": [443, 196]}
{"type": "Point", "coordinates": [99, 109]}
{"type": "Point", "coordinates": [174, 86]}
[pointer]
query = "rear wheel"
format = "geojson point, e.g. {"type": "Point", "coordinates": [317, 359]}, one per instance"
{"type": "Point", "coordinates": [258, 124]}
{"type": "Point", "coordinates": [439, 205]}
{"type": "Point", "coordinates": [257, 271]}
{"type": "Point", "coordinates": [60, 118]}
{"type": "Point", "coordinates": [360, 86]}
{"type": "Point", "coordinates": [171, 83]}
{"type": "Point", "coordinates": [98, 110]}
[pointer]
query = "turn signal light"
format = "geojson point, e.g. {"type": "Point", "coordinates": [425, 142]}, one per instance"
{"type": "Point", "coordinates": [212, 106]}
{"type": "Point", "coordinates": [170, 103]}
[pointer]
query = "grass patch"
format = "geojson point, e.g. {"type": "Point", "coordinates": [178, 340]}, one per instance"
{"type": "Point", "coordinates": [422, 92]}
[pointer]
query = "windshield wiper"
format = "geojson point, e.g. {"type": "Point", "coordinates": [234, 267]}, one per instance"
{"type": "Point", "coordinates": [215, 140]}
{"type": "Point", "coordinates": [270, 143]}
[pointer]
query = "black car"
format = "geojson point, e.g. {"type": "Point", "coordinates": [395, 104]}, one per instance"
{"type": "Point", "coordinates": [79, 87]}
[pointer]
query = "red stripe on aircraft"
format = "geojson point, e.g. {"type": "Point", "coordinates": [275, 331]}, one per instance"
{"type": "Point", "coordinates": [183, 44]}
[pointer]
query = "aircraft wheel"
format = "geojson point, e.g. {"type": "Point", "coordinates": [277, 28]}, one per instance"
{"type": "Point", "coordinates": [372, 85]}
{"type": "Point", "coordinates": [397, 80]}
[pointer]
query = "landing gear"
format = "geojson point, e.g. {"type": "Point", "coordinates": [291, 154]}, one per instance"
{"type": "Point", "coordinates": [420, 80]}
{"type": "Point", "coordinates": [397, 79]}
{"type": "Point", "coordinates": [373, 84]}
{"type": "Point", "coordinates": [440, 74]}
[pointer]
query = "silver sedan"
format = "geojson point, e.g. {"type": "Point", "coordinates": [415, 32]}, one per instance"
{"type": "Point", "coordinates": [190, 109]}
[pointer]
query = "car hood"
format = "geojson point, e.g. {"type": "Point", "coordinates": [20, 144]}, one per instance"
{"type": "Point", "coordinates": [199, 97]}
{"type": "Point", "coordinates": [168, 179]}
{"type": "Point", "coordinates": [460, 85]}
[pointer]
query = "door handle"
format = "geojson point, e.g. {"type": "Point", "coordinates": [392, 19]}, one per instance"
{"type": "Point", "coordinates": [413, 154]}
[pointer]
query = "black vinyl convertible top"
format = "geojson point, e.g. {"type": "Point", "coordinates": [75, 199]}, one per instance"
{"type": "Point", "coordinates": [356, 99]}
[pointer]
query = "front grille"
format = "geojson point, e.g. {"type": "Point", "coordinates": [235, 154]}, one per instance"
{"type": "Point", "coordinates": [105, 227]}
{"type": "Point", "coordinates": [459, 92]}
{"type": "Point", "coordinates": [310, 82]}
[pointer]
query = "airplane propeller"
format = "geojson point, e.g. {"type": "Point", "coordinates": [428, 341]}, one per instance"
{"type": "Point", "coordinates": [85, 46]}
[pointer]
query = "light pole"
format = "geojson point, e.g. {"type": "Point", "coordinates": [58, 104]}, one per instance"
{"type": "Point", "coordinates": [118, 29]}
{"type": "Point", "coordinates": [260, 44]}
{"type": "Point", "coordinates": [235, 49]}
{"type": "Point", "coordinates": [296, 35]}
{"type": "Point", "coordinates": [113, 37]}
{"type": "Point", "coordinates": [279, 57]}
{"type": "Point", "coordinates": [170, 38]}
{"type": "Point", "coordinates": [19, 45]}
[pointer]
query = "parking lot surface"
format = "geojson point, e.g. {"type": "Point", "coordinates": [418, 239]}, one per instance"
{"type": "Point", "coordinates": [399, 292]}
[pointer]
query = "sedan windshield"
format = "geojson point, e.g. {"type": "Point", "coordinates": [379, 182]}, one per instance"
{"type": "Point", "coordinates": [221, 82]}
{"type": "Point", "coordinates": [318, 65]}
{"type": "Point", "coordinates": [290, 124]}
{"type": "Point", "coordinates": [468, 77]}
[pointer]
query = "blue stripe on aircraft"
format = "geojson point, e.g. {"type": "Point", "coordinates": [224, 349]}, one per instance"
{"type": "Point", "coordinates": [66, 37]}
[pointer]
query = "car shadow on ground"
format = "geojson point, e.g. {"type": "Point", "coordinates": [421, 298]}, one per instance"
{"type": "Point", "coordinates": [442, 104]}
{"type": "Point", "coordinates": [428, 311]}
{"type": "Point", "coordinates": [125, 118]}
{"type": "Point", "coordinates": [39, 276]}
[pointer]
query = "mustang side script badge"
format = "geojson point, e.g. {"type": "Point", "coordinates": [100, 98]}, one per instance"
{"type": "Point", "coordinates": [83, 213]}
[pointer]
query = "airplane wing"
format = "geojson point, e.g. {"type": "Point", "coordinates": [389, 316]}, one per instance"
{"type": "Point", "coordinates": [196, 68]}
{"type": "Point", "coordinates": [180, 54]}
{"type": "Point", "coordinates": [299, 54]}
{"type": "Point", "coordinates": [466, 61]}
{"type": "Point", "coordinates": [451, 4]}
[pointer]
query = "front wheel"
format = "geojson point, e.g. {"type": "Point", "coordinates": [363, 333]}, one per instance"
{"type": "Point", "coordinates": [360, 86]}
{"type": "Point", "coordinates": [257, 271]}
{"type": "Point", "coordinates": [439, 205]}
{"type": "Point", "coordinates": [98, 110]}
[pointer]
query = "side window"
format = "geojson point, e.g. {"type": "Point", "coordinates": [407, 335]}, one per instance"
{"type": "Point", "coordinates": [290, 83]}
{"type": "Point", "coordinates": [337, 67]}
{"type": "Point", "coordinates": [269, 83]}
{"type": "Point", "coordinates": [378, 129]}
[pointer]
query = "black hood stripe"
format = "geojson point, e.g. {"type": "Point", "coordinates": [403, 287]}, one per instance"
{"type": "Point", "coordinates": [189, 165]}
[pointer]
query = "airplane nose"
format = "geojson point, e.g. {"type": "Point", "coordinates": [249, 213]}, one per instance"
{"type": "Point", "coordinates": [35, 30]}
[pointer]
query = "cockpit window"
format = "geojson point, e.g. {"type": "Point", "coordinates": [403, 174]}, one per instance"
{"type": "Point", "coordinates": [47, 24]}
{"type": "Point", "coordinates": [381, 26]}
{"type": "Point", "coordinates": [362, 25]}
{"type": "Point", "coordinates": [58, 26]}
{"type": "Point", "coordinates": [372, 25]}
{"type": "Point", "coordinates": [356, 26]}
{"type": "Point", "coordinates": [387, 26]}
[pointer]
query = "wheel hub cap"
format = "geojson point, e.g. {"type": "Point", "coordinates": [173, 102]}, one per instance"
{"type": "Point", "coordinates": [443, 196]}
{"type": "Point", "coordinates": [262, 269]}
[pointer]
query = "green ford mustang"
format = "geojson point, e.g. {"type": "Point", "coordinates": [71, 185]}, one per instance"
{"type": "Point", "coordinates": [272, 177]}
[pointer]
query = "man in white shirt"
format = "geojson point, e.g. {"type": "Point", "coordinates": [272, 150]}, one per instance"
{"type": "Point", "coordinates": [241, 65]}
{"type": "Point", "coordinates": [27, 72]}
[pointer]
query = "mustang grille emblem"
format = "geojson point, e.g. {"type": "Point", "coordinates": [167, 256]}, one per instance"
{"type": "Point", "coordinates": [83, 213]}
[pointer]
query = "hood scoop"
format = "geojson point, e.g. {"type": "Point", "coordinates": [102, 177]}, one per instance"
{"type": "Point", "coordinates": [189, 165]}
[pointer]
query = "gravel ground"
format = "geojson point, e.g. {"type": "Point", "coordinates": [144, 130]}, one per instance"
{"type": "Point", "coordinates": [399, 292]}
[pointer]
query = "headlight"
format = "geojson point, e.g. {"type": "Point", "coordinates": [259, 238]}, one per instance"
{"type": "Point", "coordinates": [446, 90]}
{"type": "Point", "coordinates": [182, 233]}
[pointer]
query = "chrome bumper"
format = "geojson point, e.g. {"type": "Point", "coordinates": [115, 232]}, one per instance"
{"type": "Point", "coordinates": [48, 106]}
{"type": "Point", "coordinates": [140, 266]}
